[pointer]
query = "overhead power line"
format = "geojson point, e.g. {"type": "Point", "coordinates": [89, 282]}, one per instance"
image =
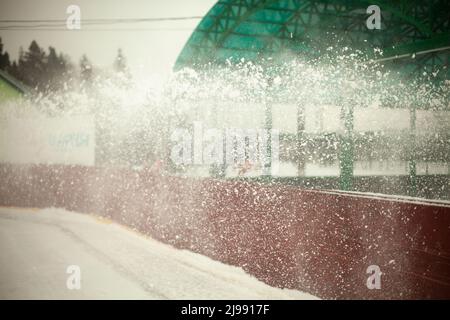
{"type": "Point", "coordinates": [60, 25]}
{"type": "Point", "coordinates": [97, 29]}
{"type": "Point", "coordinates": [108, 19]}
{"type": "Point", "coordinates": [104, 21]}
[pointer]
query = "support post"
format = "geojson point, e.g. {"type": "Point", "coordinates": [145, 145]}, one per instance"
{"type": "Point", "coordinates": [268, 128]}
{"type": "Point", "coordinates": [347, 150]}
{"type": "Point", "coordinates": [412, 186]}
{"type": "Point", "coordinates": [219, 170]}
{"type": "Point", "coordinates": [300, 140]}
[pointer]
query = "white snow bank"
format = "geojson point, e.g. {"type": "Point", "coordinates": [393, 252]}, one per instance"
{"type": "Point", "coordinates": [115, 262]}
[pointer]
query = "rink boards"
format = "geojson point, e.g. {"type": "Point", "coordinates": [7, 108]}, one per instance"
{"type": "Point", "coordinates": [326, 243]}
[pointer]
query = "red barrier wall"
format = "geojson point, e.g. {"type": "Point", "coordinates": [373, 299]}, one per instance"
{"type": "Point", "coordinates": [316, 241]}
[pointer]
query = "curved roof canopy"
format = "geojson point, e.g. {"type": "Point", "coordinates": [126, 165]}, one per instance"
{"type": "Point", "coordinates": [414, 34]}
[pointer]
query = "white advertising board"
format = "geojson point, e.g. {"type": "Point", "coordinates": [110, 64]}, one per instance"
{"type": "Point", "coordinates": [67, 140]}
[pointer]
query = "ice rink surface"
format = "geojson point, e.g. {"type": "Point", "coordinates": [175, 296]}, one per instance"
{"type": "Point", "coordinates": [37, 246]}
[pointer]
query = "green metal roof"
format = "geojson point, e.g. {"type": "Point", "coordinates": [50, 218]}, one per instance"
{"type": "Point", "coordinates": [253, 29]}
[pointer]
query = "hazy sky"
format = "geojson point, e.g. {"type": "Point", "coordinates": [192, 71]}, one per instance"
{"type": "Point", "coordinates": [148, 46]}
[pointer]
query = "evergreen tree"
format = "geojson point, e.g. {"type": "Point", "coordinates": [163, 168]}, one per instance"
{"type": "Point", "coordinates": [120, 64]}
{"type": "Point", "coordinates": [53, 63]}
{"type": "Point", "coordinates": [35, 68]}
{"type": "Point", "coordinates": [17, 69]}
{"type": "Point", "coordinates": [5, 64]}
{"type": "Point", "coordinates": [64, 61]}
{"type": "Point", "coordinates": [14, 70]}
{"type": "Point", "coordinates": [65, 67]}
{"type": "Point", "coordinates": [56, 69]}
{"type": "Point", "coordinates": [32, 67]}
{"type": "Point", "coordinates": [85, 69]}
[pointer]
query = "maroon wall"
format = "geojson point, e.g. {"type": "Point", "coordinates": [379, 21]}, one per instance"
{"type": "Point", "coordinates": [316, 241]}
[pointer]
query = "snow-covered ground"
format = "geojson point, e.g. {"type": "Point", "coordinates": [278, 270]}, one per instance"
{"type": "Point", "coordinates": [37, 246]}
